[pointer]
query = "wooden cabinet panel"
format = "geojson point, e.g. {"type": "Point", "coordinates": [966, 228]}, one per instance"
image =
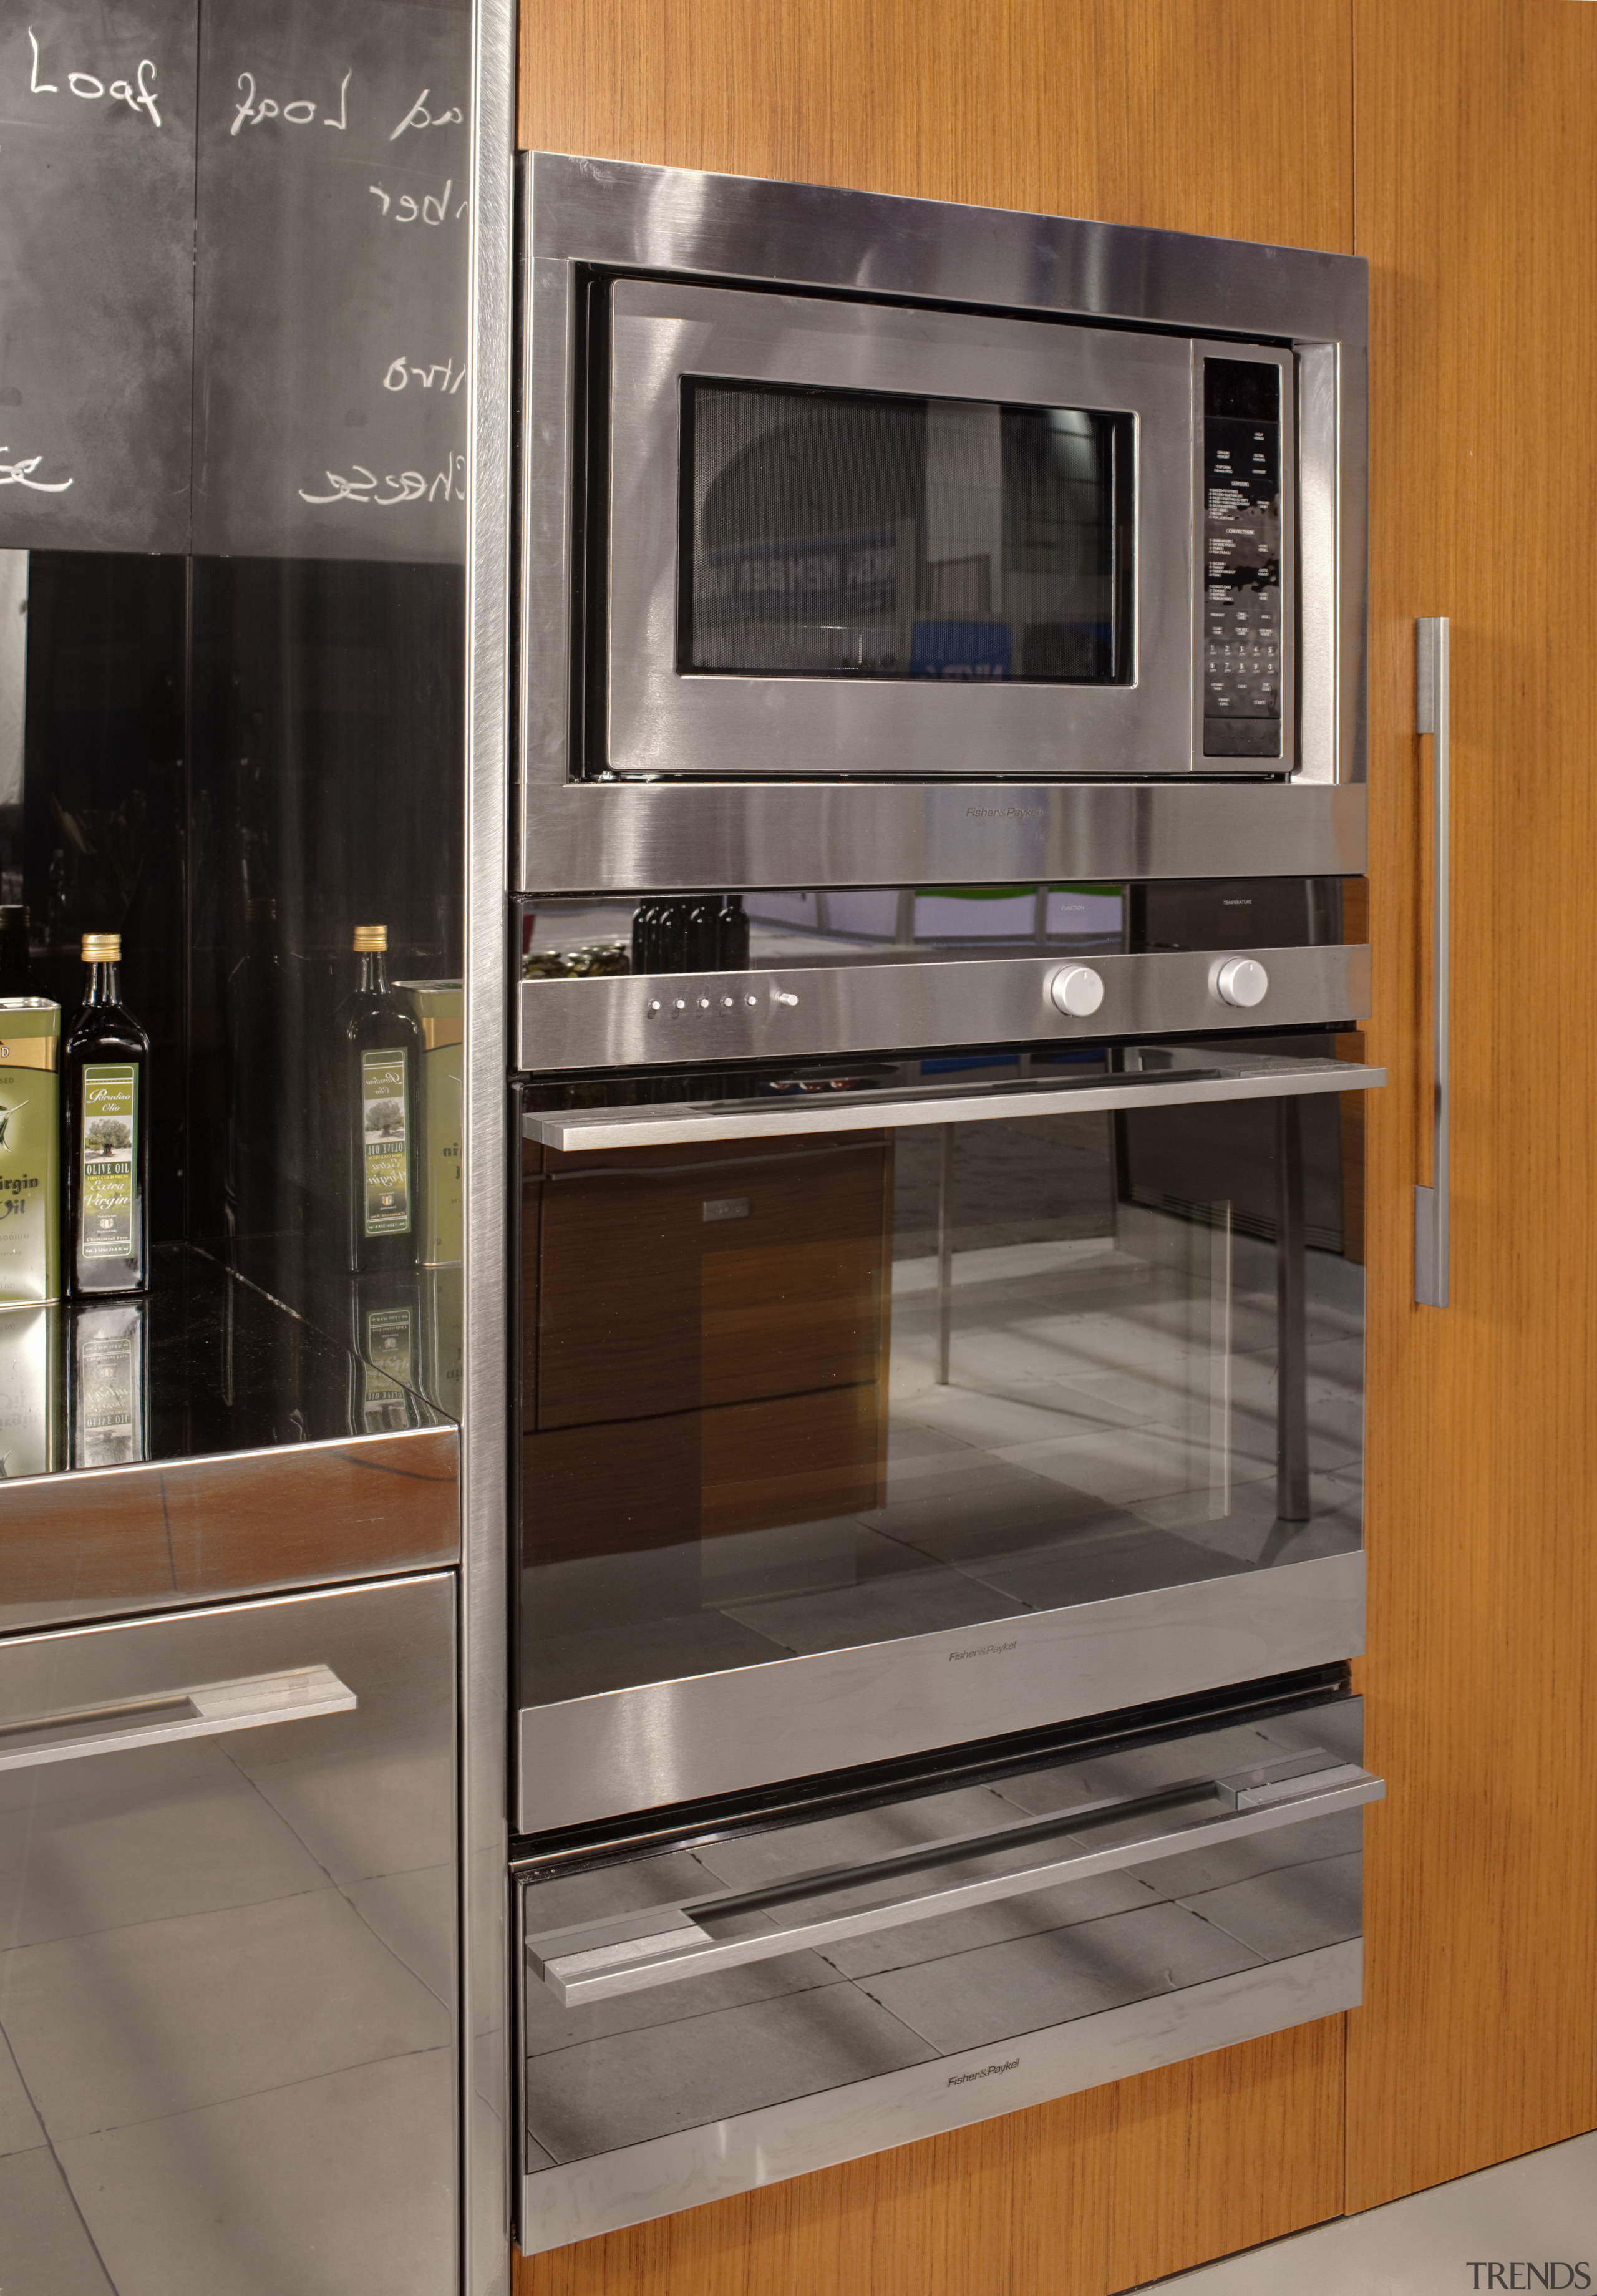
{"type": "Point", "coordinates": [634, 1484]}
{"type": "Point", "coordinates": [1478, 209]}
{"type": "Point", "coordinates": [683, 1282]}
{"type": "Point", "coordinates": [1120, 2185]}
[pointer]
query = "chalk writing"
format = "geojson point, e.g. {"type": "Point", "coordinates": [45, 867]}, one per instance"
{"type": "Point", "coordinates": [447, 379]}
{"type": "Point", "coordinates": [417, 116]}
{"type": "Point", "coordinates": [408, 486]}
{"type": "Point", "coordinates": [300, 113]}
{"type": "Point", "coordinates": [434, 208]}
{"type": "Point", "coordinates": [137, 95]}
{"type": "Point", "coordinates": [20, 474]}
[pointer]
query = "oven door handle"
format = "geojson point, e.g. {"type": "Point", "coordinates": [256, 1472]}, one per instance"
{"type": "Point", "coordinates": [1223, 1077]}
{"type": "Point", "coordinates": [666, 1945]}
{"type": "Point", "coordinates": [207, 1711]}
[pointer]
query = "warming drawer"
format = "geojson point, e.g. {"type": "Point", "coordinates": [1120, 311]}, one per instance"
{"type": "Point", "coordinates": [765, 1994]}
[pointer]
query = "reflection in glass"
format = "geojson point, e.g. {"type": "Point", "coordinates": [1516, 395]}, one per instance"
{"type": "Point", "coordinates": [836, 533]}
{"type": "Point", "coordinates": [108, 1388]}
{"type": "Point", "coordinates": [787, 1395]}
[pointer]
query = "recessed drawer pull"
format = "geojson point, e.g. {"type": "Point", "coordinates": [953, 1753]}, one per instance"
{"type": "Point", "coordinates": [207, 1711]}
{"type": "Point", "coordinates": [665, 1944]}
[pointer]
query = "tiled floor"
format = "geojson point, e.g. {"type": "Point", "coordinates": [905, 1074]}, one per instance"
{"type": "Point", "coordinates": [1537, 2211]}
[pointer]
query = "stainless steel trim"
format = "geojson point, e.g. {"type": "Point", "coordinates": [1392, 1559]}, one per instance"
{"type": "Point", "coordinates": [293, 1696]}
{"type": "Point", "coordinates": [585, 837]}
{"type": "Point", "coordinates": [579, 2199]}
{"type": "Point", "coordinates": [487, 2114]}
{"type": "Point", "coordinates": [581, 838]}
{"type": "Point", "coordinates": [663, 721]}
{"type": "Point", "coordinates": [579, 1966]}
{"type": "Point", "coordinates": [662, 1743]}
{"type": "Point", "coordinates": [1433, 715]}
{"type": "Point", "coordinates": [640, 1127]}
{"type": "Point", "coordinates": [884, 1004]}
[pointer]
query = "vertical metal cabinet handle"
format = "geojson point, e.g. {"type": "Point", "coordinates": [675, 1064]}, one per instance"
{"type": "Point", "coordinates": [294, 1695]}
{"type": "Point", "coordinates": [1431, 715]}
{"type": "Point", "coordinates": [636, 1952]}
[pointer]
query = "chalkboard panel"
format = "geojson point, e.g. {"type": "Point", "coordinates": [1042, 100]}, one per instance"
{"type": "Point", "coordinates": [96, 267]}
{"type": "Point", "coordinates": [330, 400]}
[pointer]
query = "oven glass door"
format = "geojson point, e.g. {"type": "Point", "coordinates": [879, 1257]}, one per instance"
{"type": "Point", "coordinates": [846, 1432]}
{"type": "Point", "coordinates": [850, 539]}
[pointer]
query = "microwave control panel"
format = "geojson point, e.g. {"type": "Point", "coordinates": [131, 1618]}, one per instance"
{"type": "Point", "coordinates": [1242, 636]}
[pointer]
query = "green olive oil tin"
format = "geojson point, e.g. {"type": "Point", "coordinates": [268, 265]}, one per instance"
{"type": "Point", "coordinates": [29, 1151]}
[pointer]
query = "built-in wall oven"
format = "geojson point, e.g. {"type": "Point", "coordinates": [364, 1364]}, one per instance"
{"type": "Point", "coordinates": [938, 1095]}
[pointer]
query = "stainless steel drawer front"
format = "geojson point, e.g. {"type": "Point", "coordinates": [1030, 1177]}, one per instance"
{"type": "Point", "coordinates": [850, 2022]}
{"type": "Point", "coordinates": [807, 1011]}
{"type": "Point", "coordinates": [227, 1949]}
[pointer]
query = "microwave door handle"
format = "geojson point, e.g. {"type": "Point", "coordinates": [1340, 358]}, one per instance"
{"type": "Point", "coordinates": [576, 1973]}
{"type": "Point", "coordinates": [1433, 715]}
{"type": "Point", "coordinates": [1261, 1078]}
{"type": "Point", "coordinates": [207, 1711]}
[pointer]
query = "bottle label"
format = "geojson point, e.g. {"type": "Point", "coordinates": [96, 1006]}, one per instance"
{"type": "Point", "coordinates": [111, 1406]}
{"type": "Point", "coordinates": [389, 1346]}
{"type": "Point", "coordinates": [111, 1112]}
{"type": "Point", "coordinates": [384, 1100]}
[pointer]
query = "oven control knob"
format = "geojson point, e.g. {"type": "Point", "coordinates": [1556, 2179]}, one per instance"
{"type": "Point", "coordinates": [1077, 989]}
{"type": "Point", "coordinates": [1239, 980]}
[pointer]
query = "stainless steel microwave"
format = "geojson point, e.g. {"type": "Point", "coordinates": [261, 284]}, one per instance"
{"type": "Point", "coordinates": [839, 510]}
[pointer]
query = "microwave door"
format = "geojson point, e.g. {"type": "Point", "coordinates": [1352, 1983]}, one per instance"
{"type": "Point", "coordinates": [848, 539]}
{"type": "Point", "coordinates": [858, 1423]}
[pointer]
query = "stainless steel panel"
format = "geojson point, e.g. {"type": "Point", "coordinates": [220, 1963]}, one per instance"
{"type": "Point", "coordinates": [578, 2200]}
{"type": "Point", "coordinates": [670, 1742]}
{"type": "Point", "coordinates": [586, 836]}
{"type": "Point", "coordinates": [485, 1630]}
{"type": "Point", "coordinates": [1433, 1205]}
{"type": "Point", "coordinates": [1321, 453]}
{"type": "Point", "coordinates": [228, 1983]}
{"type": "Point", "coordinates": [600, 1960]}
{"type": "Point", "coordinates": [1236, 1078]}
{"type": "Point", "coordinates": [807, 1010]}
{"type": "Point", "coordinates": [661, 721]}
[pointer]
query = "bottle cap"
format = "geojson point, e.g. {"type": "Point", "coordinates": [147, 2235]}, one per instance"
{"type": "Point", "coordinates": [371, 940]}
{"type": "Point", "coordinates": [102, 948]}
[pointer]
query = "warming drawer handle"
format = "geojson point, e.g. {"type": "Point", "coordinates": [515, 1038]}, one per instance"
{"type": "Point", "coordinates": [207, 1711]}
{"type": "Point", "coordinates": [1259, 1079]}
{"type": "Point", "coordinates": [595, 1962]}
{"type": "Point", "coordinates": [1433, 713]}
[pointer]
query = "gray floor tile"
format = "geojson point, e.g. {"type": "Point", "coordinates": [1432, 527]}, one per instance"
{"type": "Point", "coordinates": [1032, 1915]}
{"type": "Point", "coordinates": [20, 2127]}
{"type": "Point", "coordinates": [1020, 1988]}
{"type": "Point", "coordinates": [549, 2027]}
{"type": "Point", "coordinates": [386, 1806]}
{"type": "Point", "coordinates": [334, 2185]}
{"type": "Point", "coordinates": [181, 1843]}
{"type": "Point", "coordinates": [909, 1602]}
{"type": "Point", "coordinates": [1224, 1863]}
{"type": "Point", "coordinates": [1128, 1559]}
{"type": "Point", "coordinates": [44, 2248]}
{"type": "Point", "coordinates": [640, 2084]}
{"type": "Point", "coordinates": [1122, 1465]}
{"type": "Point", "coordinates": [575, 1666]}
{"type": "Point", "coordinates": [136, 2023]}
{"type": "Point", "coordinates": [415, 1915]}
{"type": "Point", "coordinates": [1295, 1909]}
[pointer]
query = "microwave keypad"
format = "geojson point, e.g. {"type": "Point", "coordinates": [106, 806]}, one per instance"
{"type": "Point", "coordinates": [1241, 606]}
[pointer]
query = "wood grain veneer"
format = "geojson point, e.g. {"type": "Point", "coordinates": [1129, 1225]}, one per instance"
{"type": "Point", "coordinates": [115, 1539]}
{"type": "Point", "coordinates": [1189, 115]}
{"type": "Point", "coordinates": [1478, 209]}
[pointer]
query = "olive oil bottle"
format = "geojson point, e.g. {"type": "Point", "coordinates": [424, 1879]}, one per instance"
{"type": "Point", "coordinates": [380, 1048]}
{"type": "Point", "coordinates": [105, 1122]}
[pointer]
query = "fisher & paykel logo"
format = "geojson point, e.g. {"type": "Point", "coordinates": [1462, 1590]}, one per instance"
{"type": "Point", "coordinates": [983, 2072]}
{"type": "Point", "coordinates": [1485, 2273]}
{"type": "Point", "coordinates": [983, 1650]}
{"type": "Point", "coordinates": [1003, 813]}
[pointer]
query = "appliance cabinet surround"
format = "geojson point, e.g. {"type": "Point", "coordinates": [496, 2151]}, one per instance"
{"type": "Point", "coordinates": [227, 1950]}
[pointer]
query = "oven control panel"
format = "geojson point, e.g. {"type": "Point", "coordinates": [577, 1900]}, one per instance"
{"type": "Point", "coordinates": [1243, 637]}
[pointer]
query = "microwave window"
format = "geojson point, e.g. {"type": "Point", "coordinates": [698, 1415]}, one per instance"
{"type": "Point", "coordinates": [841, 534]}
